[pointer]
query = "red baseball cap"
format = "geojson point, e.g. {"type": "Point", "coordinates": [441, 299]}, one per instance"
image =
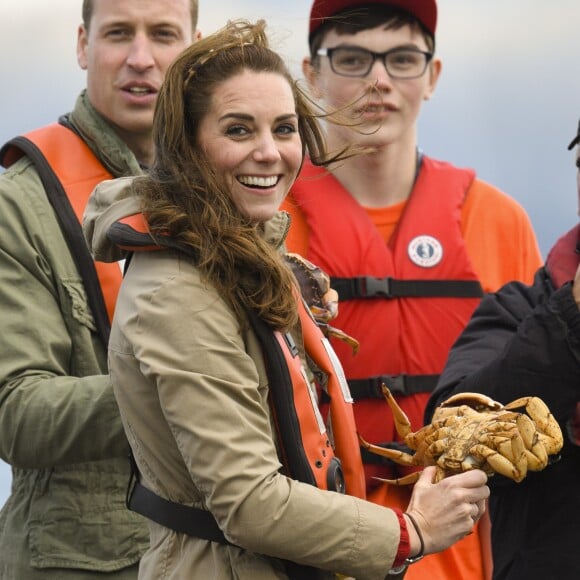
{"type": "Point", "coordinates": [425, 11]}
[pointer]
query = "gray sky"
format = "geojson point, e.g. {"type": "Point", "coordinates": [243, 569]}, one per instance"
{"type": "Point", "coordinates": [507, 103]}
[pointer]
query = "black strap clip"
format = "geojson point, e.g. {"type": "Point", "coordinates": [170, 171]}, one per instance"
{"type": "Point", "coordinates": [371, 287]}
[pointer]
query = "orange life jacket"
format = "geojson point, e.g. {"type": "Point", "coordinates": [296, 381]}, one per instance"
{"type": "Point", "coordinates": [307, 454]}
{"type": "Point", "coordinates": [69, 172]}
{"type": "Point", "coordinates": [301, 428]}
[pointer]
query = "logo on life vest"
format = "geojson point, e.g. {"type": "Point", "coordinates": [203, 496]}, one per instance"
{"type": "Point", "coordinates": [425, 251]}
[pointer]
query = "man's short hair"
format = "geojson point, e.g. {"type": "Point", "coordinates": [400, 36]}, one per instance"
{"type": "Point", "coordinates": [88, 5]}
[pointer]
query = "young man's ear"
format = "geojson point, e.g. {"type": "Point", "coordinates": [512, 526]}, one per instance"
{"type": "Point", "coordinates": [434, 71]}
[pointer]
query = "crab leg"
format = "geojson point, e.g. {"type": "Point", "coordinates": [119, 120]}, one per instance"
{"type": "Point", "coordinates": [397, 456]}
{"type": "Point", "coordinates": [402, 423]}
{"type": "Point", "coordinates": [405, 480]}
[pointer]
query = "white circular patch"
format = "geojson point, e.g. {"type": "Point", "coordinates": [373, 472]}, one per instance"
{"type": "Point", "coordinates": [425, 251]}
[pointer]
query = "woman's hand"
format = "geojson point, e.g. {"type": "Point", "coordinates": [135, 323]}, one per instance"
{"type": "Point", "coordinates": [446, 511]}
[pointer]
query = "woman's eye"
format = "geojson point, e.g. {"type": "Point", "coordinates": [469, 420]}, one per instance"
{"type": "Point", "coordinates": [286, 129]}
{"type": "Point", "coordinates": [237, 131]}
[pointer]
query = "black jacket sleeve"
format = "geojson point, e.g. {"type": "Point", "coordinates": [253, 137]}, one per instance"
{"type": "Point", "coordinates": [521, 341]}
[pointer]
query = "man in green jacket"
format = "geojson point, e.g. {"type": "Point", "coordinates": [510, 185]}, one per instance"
{"type": "Point", "coordinates": [59, 425]}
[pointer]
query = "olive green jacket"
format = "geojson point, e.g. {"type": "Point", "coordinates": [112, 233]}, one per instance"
{"type": "Point", "coordinates": [59, 424]}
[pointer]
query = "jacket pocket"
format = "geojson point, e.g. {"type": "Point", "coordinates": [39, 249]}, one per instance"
{"type": "Point", "coordinates": [80, 521]}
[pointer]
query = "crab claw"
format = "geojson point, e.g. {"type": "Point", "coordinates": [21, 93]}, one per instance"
{"type": "Point", "coordinates": [548, 428]}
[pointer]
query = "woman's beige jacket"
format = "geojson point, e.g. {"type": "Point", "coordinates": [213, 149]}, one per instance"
{"type": "Point", "coordinates": [193, 394]}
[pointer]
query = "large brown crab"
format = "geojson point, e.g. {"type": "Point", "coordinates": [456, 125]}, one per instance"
{"type": "Point", "coordinates": [472, 431]}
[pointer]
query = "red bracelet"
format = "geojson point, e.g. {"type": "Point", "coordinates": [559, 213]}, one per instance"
{"type": "Point", "coordinates": [404, 541]}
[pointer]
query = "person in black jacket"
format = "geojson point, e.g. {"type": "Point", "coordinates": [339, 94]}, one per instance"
{"type": "Point", "coordinates": [525, 341]}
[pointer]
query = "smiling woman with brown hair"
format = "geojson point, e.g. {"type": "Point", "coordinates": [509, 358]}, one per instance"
{"type": "Point", "coordinates": [216, 362]}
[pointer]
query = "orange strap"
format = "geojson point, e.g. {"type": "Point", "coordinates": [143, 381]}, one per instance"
{"type": "Point", "coordinates": [79, 172]}
{"type": "Point", "coordinates": [313, 436]}
{"type": "Point", "coordinates": [346, 444]}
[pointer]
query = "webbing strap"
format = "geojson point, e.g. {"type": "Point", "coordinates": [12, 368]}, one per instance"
{"type": "Point", "coordinates": [371, 287]}
{"type": "Point", "coordinates": [405, 385]}
{"type": "Point", "coordinates": [192, 521]}
{"type": "Point", "coordinates": [175, 516]}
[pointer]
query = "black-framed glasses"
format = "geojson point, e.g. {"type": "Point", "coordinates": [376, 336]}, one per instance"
{"type": "Point", "coordinates": [355, 61]}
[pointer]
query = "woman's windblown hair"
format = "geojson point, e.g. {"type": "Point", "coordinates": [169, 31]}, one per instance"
{"type": "Point", "coordinates": [184, 197]}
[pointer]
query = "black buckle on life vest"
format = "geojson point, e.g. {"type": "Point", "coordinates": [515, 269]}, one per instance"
{"type": "Point", "coordinates": [362, 287]}
{"type": "Point", "coordinates": [371, 287]}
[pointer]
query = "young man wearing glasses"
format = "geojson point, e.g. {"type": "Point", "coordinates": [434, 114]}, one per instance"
{"type": "Point", "coordinates": [411, 243]}
{"type": "Point", "coordinates": [535, 523]}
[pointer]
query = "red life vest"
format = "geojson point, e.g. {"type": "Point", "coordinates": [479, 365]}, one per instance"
{"type": "Point", "coordinates": [564, 257]}
{"type": "Point", "coordinates": [405, 335]}
{"type": "Point", "coordinates": [307, 454]}
{"type": "Point", "coordinates": [66, 165]}
{"type": "Point", "coordinates": [561, 264]}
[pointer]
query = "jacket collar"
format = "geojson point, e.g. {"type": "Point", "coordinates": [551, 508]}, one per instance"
{"type": "Point", "coordinates": [111, 151]}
